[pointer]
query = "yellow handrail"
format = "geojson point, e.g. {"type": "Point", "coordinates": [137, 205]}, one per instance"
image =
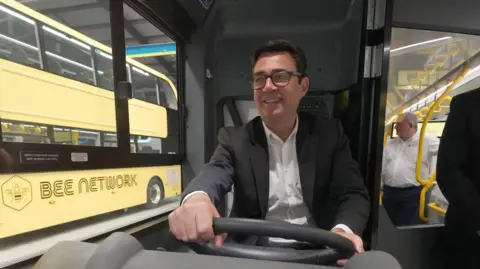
{"type": "Point", "coordinates": [388, 132]}
{"type": "Point", "coordinates": [427, 183]}
{"type": "Point", "coordinates": [435, 207]}
{"type": "Point", "coordinates": [424, 127]}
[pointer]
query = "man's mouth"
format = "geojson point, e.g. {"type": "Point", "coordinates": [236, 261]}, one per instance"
{"type": "Point", "coordinates": [272, 100]}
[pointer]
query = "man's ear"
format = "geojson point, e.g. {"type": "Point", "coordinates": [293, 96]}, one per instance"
{"type": "Point", "coordinates": [305, 84]}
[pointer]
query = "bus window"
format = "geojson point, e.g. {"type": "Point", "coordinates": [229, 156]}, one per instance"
{"type": "Point", "coordinates": [23, 132]}
{"type": "Point", "coordinates": [109, 140]}
{"type": "Point", "coordinates": [59, 121]}
{"type": "Point", "coordinates": [104, 69]}
{"type": "Point", "coordinates": [55, 111]}
{"type": "Point", "coordinates": [152, 85]}
{"type": "Point", "coordinates": [67, 56]}
{"type": "Point", "coordinates": [18, 38]}
{"type": "Point", "coordinates": [420, 60]}
{"type": "Point", "coordinates": [167, 95]}
{"type": "Point", "coordinates": [144, 86]}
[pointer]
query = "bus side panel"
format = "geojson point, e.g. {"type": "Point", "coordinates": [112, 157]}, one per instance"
{"type": "Point", "coordinates": [31, 95]}
{"type": "Point", "coordinates": [147, 119]}
{"type": "Point", "coordinates": [38, 200]}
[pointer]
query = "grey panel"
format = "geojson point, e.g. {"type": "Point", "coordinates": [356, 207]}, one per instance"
{"type": "Point", "coordinates": [329, 32]}
{"type": "Point", "coordinates": [247, 110]}
{"type": "Point", "coordinates": [194, 101]}
{"type": "Point", "coordinates": [77, 253]}
{"type": "Point", "coordinates": [121, 250]}
{"type": "Point", "coordinates": [460, 15]}
{"type": "Point", "coordinates": [416, 247]}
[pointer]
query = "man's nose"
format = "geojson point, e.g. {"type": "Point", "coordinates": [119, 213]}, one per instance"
{"type": "Point", "coordinates": [269, 86]}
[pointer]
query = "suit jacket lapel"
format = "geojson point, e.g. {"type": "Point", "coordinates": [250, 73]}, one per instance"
{"type": "Point", "coordinates": [307, 158]}
{"type": "Point", "coordinates": [258, 152]}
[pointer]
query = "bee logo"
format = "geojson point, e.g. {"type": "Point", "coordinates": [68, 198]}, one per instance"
{"type": "Point", "coordinates": [16, 193]}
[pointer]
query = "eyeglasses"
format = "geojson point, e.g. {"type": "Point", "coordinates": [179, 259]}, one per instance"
{"type": "Point", "coordinates": [279, 79]}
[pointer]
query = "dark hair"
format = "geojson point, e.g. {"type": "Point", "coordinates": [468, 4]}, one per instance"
{"type": "Point", "coordinates": [281, 45]}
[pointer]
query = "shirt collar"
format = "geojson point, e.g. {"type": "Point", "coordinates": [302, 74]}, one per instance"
{"type": "Point", "coordinates": [414, 138]}
{"type": "Point", "coordinates": [271, 134]}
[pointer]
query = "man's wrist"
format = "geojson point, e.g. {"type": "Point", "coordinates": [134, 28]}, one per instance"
{"type": "Point", "coordinates": [192, 194]}
{"type": "Point", "coordinates": [343, 227]}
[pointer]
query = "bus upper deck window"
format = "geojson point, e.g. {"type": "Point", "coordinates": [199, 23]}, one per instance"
{"type": "Point", "coordinates": [144, 86]}
{"type": "Point", "coordinates": [18, 39]}
{"type": "Point", "coordinates": [67, 56]}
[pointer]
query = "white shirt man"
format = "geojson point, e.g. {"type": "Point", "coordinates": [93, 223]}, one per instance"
{"type": "Point", "coordinates": [400, 160]}
{"type": "Point", "coordinates": [401, 190]}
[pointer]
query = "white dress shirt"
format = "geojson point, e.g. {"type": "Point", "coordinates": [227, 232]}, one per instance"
{"type": "Point", "coordinates": [285, 201]}
{"type": "Point", "coordinates": [400, 160]}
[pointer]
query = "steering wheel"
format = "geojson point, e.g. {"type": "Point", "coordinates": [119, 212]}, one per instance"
{"type": "Point", "coordinates": [328, 247]}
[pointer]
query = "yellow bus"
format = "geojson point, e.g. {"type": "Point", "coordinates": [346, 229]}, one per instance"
{"type": "Point", "coordinates": [56, 88]}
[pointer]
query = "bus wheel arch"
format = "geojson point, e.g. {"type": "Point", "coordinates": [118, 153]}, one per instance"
{"type": "Point", "coordinates": [155, 192]}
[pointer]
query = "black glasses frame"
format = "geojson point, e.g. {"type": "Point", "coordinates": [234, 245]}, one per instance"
{"type": "Point", "coordinates": [271, 76]}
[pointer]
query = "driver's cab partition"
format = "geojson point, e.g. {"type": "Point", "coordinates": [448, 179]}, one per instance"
{"type": "Point", "coordinates": [238, 110]}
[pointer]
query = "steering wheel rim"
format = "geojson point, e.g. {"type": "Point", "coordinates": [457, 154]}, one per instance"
{"type": "Point", "coordinates": [338, 247]}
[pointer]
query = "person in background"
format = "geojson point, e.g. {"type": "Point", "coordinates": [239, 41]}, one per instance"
{"type": "Point", "coordinates": [401, 190]}
{"type": "Point", "coordinates": [458, 177]}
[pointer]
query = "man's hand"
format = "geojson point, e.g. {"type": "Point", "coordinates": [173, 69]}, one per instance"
{"type": "Point", "coordinates": [357, 242]}
{"type": "Point", "coordinates": [193, 221]}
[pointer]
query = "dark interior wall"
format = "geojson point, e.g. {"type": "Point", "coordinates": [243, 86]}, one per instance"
{"type": "Point", "coordinates": [222, 47]}
{"type": "Point", "coordinates": [329, 34]}
{"type": "Point", "coordinates": [330, 42]}
{"type": "Point", "coordinates": [444, 15]}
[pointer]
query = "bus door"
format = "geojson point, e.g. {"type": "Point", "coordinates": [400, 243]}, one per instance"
{"type": "Point", "coordinates": [432, 58]}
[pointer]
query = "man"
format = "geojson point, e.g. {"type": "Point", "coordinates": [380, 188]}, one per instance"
{"type": "Point", "coordinates": [458, 177]}
{"type": "Point", "coordinates": [401, 190]}
{"type": "Point", "coordinates": [285, 166]}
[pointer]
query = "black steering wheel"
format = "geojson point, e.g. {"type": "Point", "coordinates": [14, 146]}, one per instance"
{"type": "Point", "coordinates": [328, 247]}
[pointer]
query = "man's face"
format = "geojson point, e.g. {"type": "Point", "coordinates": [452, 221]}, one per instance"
{"type": "Point", "coordinates": [404, 128]}
{"type": "Point", "coordinates": [277, 96]}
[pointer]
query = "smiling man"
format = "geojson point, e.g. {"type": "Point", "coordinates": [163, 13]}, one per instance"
{"type": "Point", "coordinates": [284, 165]}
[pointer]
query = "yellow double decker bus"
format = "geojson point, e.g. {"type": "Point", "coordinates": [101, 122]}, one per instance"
{"type": "Point", "coordinates": [57, 89]}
